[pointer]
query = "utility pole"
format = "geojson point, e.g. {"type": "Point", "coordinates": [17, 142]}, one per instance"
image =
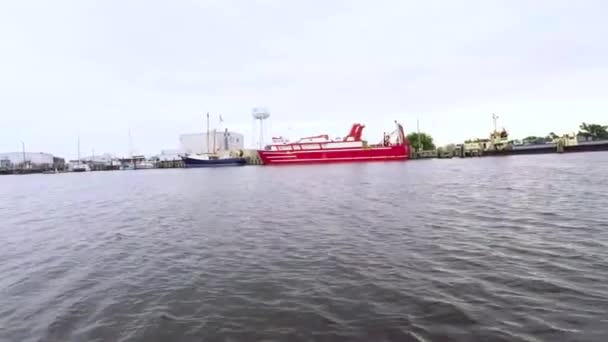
{"type": "Point", "coordinates": [261, 134]}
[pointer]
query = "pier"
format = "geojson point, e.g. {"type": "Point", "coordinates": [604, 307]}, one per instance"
{"type": "Point", "coordinates": [252, 157]}
{"type": "Point", "coordinates": [170, 164]}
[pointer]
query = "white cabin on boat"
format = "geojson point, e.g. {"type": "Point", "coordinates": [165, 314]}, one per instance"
{"type": "Point", "coordinates": [311, 143]}
{"type": "Point", "coordinates": [323, 142]}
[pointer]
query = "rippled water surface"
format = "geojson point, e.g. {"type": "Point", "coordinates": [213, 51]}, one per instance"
{"type": "Point", "coordinates": [489, 249]}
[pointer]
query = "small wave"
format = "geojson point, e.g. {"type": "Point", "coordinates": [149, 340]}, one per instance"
{"type": "Point", "coordinates": [317, 253]}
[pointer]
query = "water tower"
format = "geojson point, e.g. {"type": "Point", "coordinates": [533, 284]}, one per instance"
{"type": "Point", "coordinates": [260, 114]}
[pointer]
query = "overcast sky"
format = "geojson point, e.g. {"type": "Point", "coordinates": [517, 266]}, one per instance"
{"type": "Point", "coordinates": [96, 69]}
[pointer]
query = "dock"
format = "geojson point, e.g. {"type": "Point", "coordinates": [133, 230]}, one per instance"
{"type": "Point", "coordinates": [252, 157]}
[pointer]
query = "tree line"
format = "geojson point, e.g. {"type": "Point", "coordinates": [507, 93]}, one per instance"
{"type": "Point", "coordinates": [424, 141]}
{"type": "Point", "coordinates": [588, 131]}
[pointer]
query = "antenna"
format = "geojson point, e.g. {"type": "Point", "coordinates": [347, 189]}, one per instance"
{"type": "Point", "coordinates": [260, 114]}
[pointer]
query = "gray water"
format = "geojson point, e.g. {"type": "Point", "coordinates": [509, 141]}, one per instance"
{"type": "Point", "coordinates": [489, 249]}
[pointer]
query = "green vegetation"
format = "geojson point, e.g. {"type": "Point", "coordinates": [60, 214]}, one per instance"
{"type": "Point", "coordinates": [535, 140]}
{"type": "Point", "coordinates": [424, 140]}
{"type": "Point", "coordinates": [594, 131]}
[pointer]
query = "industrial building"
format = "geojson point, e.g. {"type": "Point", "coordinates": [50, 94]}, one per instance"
{"type": "Point", "coordinates": [218, 142]}
{"type": "Point", "coordinates": [30, 161]}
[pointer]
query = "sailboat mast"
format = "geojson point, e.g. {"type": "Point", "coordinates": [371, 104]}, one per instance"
{"type": "Point", "coordinates": [226, 134]}
{"type": "Point", "coordinates": [79, 148]}
{"type": "Point", "coordinates": [207, 132]}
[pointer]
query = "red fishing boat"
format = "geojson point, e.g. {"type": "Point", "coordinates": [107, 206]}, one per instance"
{"type": "Point", "coordinates": [321, 149]}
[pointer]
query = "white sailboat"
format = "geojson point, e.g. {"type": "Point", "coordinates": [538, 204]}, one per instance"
{"type": "Point", "coordinates": [80, 166]}
{"type": "Point", "coordinates": [136, 162]}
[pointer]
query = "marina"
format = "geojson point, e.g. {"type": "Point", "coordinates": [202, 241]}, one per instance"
{"type": "Point", "coordinates": [303, 171]}
{"type": "Point", "coordinates": [224, 148]}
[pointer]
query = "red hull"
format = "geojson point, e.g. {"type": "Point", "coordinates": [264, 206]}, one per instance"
{"type": "Point", "coordinates": [320, 149]}
{"type": "Point", "coordinates": [389, 153]}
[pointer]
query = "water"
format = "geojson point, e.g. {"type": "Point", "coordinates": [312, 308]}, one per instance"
{"type": "Point", "coordinates": [489, 249]}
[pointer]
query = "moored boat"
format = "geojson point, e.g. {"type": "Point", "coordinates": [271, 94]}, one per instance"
{"type": "Point", "coordinates": [144, 165]}
{"type": "Point", "coordinates": [80, 167]}
{"type": "Point", "coordinates": [321, 149]}
{"type": "Point", "coordinates": [211, 160]}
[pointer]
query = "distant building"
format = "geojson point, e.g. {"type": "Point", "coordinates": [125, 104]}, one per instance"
{"type": "Point", "coordinates": [59, 163]}
{"type": "Point", "coordinates": [170, 155]}
{"type": "Point", "coordinates": [220, 141]}
{"type": "Point", "coordinates": [100, 158]}
{"type": "Point", "coordinates": [5, 164]}
{"type": "Point", "coordinates": [30, 160]}
{"type": "Point", "coordinates": [100, 162]}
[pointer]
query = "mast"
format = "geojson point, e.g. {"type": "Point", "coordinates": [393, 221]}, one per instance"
{"type": "Point", "coordinates": [207, 132]}
{"type": "Point", "coordinates": [226, 135]}
{"type": "Point", "coordinates": [23, 149]}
